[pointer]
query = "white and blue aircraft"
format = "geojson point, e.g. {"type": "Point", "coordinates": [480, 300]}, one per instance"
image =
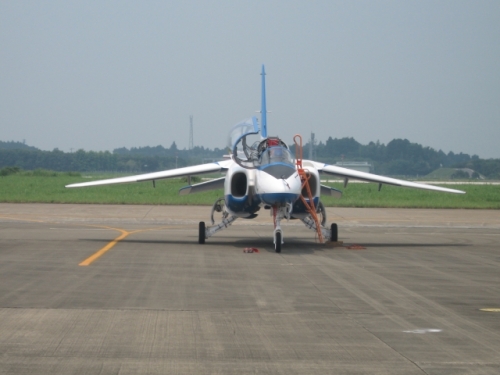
{"type": "Point", "coordinates": [262, 173]}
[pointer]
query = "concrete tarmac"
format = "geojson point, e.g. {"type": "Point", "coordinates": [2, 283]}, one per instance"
{"type": "Point", "coordinates": [408, 300]}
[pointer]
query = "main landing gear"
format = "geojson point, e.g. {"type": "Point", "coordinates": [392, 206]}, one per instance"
{"type": "Point", "coordinates": [328, 233]}
{"type": "Point", "coordinates": [285, 212]}
{"type": "Point", "coordinates": [205, 232]}
{"type": "Point", "coordinates": [334, 233]}
{"type": "Point", "coordinates": [201, 232]}
{"type": "Point", "coordinates": [278, 213]}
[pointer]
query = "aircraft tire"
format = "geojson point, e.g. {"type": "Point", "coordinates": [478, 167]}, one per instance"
{"type": "Point", "coordinates": [334, 233]}
{"type": "Point", "coordinates": [277, 245]}
{"type": "Point", "coordinates": [201, 232]}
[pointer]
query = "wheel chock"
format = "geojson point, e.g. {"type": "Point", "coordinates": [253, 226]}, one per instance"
{"type": "Point", "coordinates": [250, 250]}
{"type": "Point", "coordinates": [355, 247]}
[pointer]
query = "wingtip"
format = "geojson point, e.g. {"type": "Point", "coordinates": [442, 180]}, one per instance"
{"type": "Point", "coordinates": [185, 190]}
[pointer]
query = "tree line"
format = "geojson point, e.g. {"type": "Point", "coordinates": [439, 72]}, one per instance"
{"type": "Point", "coordinates": [398, 157]}
{"type": "Point", "coordinates": [134, 160]}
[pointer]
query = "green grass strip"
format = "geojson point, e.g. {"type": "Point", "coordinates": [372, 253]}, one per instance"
{"type": "Point", "coordinates": [48, 187]}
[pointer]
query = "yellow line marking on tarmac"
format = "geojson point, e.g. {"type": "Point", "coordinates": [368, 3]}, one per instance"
{"type": "Point", "coordinates": [20, 219]}
{"type": "Point", "coordinates": [110, 245]}
{"type": "Point", "coordinates": [492, 309]}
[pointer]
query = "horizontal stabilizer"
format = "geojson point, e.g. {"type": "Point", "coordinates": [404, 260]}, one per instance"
{"type": "Point", "coordinates": [331, 192]}
{"type": "Point", "coordinates": [218, 183]}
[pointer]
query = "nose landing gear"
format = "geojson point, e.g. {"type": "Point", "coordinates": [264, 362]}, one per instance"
{"type": "Point", "coordinates": [279, 213]}
{"type": "Point", "coordinates": [277, 241]}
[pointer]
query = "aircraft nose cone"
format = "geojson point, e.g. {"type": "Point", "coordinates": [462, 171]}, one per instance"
{"type": "Point", "coordinates": [278, 191]}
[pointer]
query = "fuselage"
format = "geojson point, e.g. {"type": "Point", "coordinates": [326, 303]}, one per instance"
{"type": "Point", "coordinates": [274, 183]}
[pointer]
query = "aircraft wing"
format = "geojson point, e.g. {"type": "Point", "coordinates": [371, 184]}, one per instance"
{"type": "Point", "coordinates": [179, 172]}
{"type": "Point", "coordinates": [370, 177]}
{"type": "Point", "coordinates": [217, 183]}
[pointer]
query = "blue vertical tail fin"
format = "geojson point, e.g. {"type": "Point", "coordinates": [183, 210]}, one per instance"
{"type": "Point", "coordinates": [263, 109]}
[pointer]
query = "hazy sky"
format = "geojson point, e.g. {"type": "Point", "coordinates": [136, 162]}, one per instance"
{"type": "Point", "coordinates": [99, 75]}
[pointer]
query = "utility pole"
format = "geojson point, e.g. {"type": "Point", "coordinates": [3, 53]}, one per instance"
{"type": "Point", "coordinates": [312, 143]}
{"type": "Point", "coordinates": [191, 143]}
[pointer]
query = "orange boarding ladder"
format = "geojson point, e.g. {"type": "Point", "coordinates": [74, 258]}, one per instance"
{"type": "Point", "coordinates": [304, 178]}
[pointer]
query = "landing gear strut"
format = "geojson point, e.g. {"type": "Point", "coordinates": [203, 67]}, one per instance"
{"type": "Point", "coordinates": [205, 232]}
{"type": "Point", "coordinates": [279, 213]}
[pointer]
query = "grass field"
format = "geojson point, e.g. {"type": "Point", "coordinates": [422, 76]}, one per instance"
{"type": "Point", "coordinates": [48, 187]}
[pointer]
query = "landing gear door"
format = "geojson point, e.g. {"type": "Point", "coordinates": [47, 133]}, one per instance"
{"type": "Point", "coordinates": [243, 141]}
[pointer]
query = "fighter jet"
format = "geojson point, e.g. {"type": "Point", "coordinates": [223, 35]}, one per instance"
{"type": "Point", "coordinates": [261, 173]}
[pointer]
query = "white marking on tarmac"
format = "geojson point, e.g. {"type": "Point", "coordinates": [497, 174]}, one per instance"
{"type": "Point", "coordinates": [421, 331]}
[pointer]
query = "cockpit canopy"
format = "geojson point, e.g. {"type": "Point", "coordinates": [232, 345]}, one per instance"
{"type": "Point", "coordinates": [251, 152]}
{"type": "Point", "coordinates": [275, 154]}
{"type": "Point", "coordinates": [242, 142]}
{"type": "Point", "coordinates": [244, 129]}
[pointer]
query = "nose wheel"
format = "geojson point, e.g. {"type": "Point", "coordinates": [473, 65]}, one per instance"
{"type": "Point", "coordinates": [277, 241]}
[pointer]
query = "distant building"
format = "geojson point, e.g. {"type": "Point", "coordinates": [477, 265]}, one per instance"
{"type": "Point", "coordinates": [362, 166]}
{"type": "Point", "coordinates": [467, 173]}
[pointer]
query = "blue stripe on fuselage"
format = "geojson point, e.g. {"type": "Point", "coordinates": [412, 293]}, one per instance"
{"type": "Point", "coordinates": [278, 198]}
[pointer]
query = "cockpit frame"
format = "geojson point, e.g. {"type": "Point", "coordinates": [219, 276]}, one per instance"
{"type": "Point", "coordinates": [259, 153]}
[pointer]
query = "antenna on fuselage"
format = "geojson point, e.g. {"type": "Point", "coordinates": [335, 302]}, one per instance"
{"type": "Point", "coordinates": [263, 109]}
